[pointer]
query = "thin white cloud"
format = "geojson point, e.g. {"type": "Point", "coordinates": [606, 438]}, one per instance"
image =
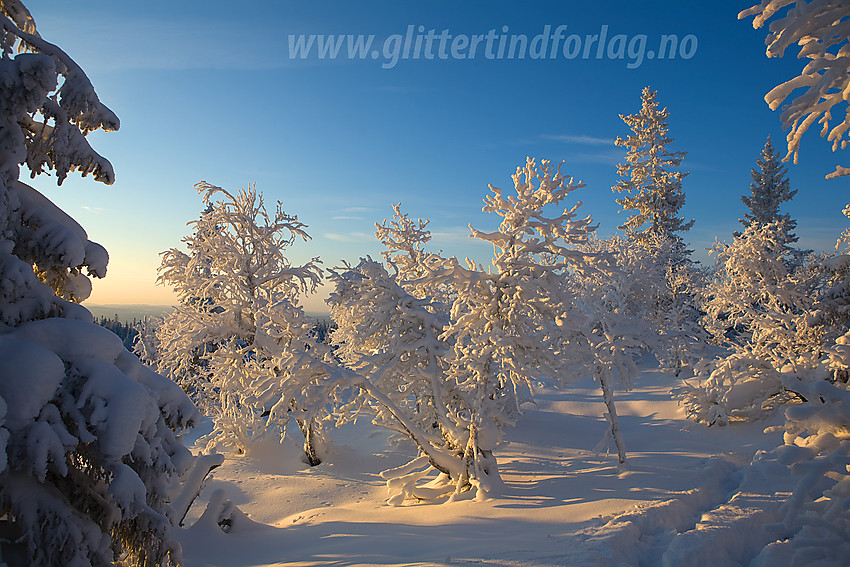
{"type": "Point", "coordinates": [343, 217]}
{"type": "Point", "coordinates": [579, 139]}
{"type": "Point", "coordinates": [95, 210]}
{"type": "Point", "coordinates": [348, 237]}
{"type": "Point", "coordinates": [457, 235]}
{"type": "Point", "coordinates": [452, 234]}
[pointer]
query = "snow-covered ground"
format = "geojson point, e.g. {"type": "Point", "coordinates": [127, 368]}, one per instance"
{"type": "Point", "coordinates": [688, 495]}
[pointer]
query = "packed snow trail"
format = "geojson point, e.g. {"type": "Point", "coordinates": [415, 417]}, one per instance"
{"type": "Point", "coordinates": [735, 532]}
{"type": "Point", "coordinates": [720, 523]}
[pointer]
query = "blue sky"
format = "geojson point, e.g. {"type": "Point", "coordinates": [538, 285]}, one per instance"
{"type": "Point", "coordinates": [206, 90]}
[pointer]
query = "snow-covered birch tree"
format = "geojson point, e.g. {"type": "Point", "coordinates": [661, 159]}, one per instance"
{"type": "Point", "coordinates": [763, 314]}
{"type": "Point", "coordinates": [651, 178]}
{"type": "Point", "coordinates": [237, 337]}
{"type": "Point", "coordinates": [504, 325]}
{"type": "Point", "coordinates": [601, 332]}
{"type": "Point", "coordinates": [404, 241]}
{"type": "Point", "coordinates": [392, 340]}
{"type": "Point", "coordinates": [90, 462]}
{"type": "Point", "coordinates": [389, 328]}
{"type": "Point", "coordinates": [458, 378]}
{"type": "Point", "coordinates": [391, 337]}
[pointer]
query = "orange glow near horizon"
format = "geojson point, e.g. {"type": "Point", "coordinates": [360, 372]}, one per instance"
{"type": "Point", "coordinates": [129, 284]}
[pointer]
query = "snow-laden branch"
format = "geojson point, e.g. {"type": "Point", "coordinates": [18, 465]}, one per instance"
{"type": "Point", "coordinates": [821, 29]}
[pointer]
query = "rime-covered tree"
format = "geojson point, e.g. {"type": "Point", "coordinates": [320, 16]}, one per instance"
{"type": "Point", "coordinates": [91, 467]}
{"type": "Point", "coordinates": [389, 328]}
{"type": "Point", "coordinates": [404, 240]}
{"type": "Point", "coordinates": [506, 322]}
{"type": "Point", "coordinates": [391, 337]}
{"type": "Point", "coordinates": [392, 340]}
{"type": "Point", "coordinates": [769, 189]}
{"type": "Point", "coordinates": [388, 325]}
{"type": "Point", "coordinates": [186, 359]}
{"type": "Point", "coordinates": [601, 332]}
{"type": "Point", "coordinates": [237, 337]}
{"type": "Point", "coordinates": [404, 243]}
{"type": "Point", "coordinates": [822, 31]}
{"type": "Point", "coordinates": [651, 177]}
{"type": "Point", "coordinates": [656, 291]}
{"type": "Point", "coordinates": [762, 312]}
{"type": "Point", "coordinates": [453, 381]}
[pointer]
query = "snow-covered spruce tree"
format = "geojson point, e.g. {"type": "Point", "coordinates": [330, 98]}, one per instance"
{"type": "Point", "coordinates": [822, 30]}
{"type": "Point", "coordinates": [90, 464]}
{"type": "Point", "coordinates": [769, 189]}
{"type": "Point", "coordinates": [238, 338]}
{"type": "Point", "coordinates": [762, 313]}
{"type": "Point", "coordinates": [651, 178]}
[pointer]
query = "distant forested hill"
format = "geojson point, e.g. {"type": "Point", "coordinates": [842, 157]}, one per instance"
{"type": "Point", "coordinates": [127, 313]}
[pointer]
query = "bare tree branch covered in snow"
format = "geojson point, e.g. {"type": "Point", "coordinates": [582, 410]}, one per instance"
{"type": "Point", "coordinates": [821, 29]}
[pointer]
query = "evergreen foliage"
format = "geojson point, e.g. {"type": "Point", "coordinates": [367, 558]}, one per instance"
{"type": "Point", "coordinates": [769, 189]}
{"type": "Point", "coordinates": [651, 178]}
{"type": "Point", "coordinates": [91, 463]}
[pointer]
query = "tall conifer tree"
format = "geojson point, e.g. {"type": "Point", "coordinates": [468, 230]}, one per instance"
{"type": "Point", "coordinates": [769, 189]}
{"type": "Point", "coordinates": [651, 178]}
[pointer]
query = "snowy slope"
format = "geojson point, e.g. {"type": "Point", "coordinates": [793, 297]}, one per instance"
{"type": "Point", "coordinates": [686, 496]}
